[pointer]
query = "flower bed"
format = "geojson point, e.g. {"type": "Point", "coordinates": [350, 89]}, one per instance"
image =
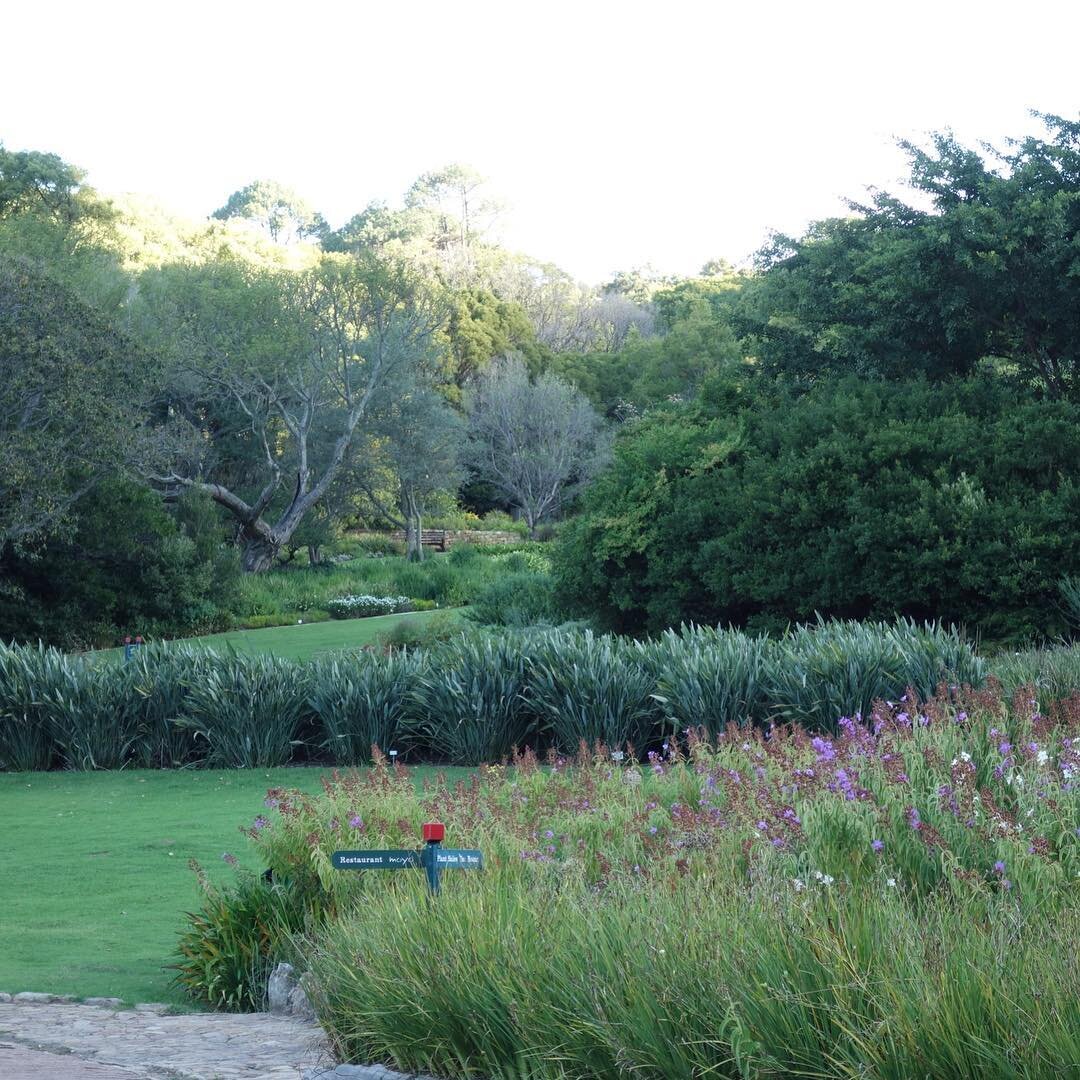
{"type": "Point", "coordinates": [896, 899]}
{"type": "Point", "coordinates": [361, 607]}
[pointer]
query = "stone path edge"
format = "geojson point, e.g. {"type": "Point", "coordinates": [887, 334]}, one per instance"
{"type": "Point", "coordinates": [27, 997]}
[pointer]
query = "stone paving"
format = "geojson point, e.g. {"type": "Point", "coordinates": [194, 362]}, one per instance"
{"type": "Point", "coordinates": [59, 1040]}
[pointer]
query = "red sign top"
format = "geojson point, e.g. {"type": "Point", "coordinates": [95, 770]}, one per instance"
{"type": "Point", "coordinates": [433, 831]}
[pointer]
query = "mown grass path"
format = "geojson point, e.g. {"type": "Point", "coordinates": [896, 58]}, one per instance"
{"type": "Point", "coordinates": [302, 642]}
{"type": "Point", "coordinates": [94, 876]}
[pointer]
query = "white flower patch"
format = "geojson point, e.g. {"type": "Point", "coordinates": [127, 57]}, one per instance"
{"type": "Point", "coordinates": [357, 607]}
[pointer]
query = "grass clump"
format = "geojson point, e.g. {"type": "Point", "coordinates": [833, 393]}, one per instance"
{"type": "Point", "coordinates": [360, 703]}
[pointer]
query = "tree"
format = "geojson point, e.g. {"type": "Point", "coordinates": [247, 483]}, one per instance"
{"type": "Point", "coordinates": [123, 565]}
{"type": "Point", "coordinates": [985, 274]}
{"type": "Point", "coordinates": [481, 327]}
{"type": "Point", "coordinates": [37, 183]}
{"type": "Point", "coordinates": [284, 214]}
{"type": "Point", "coordinates": [453, 195]}
{"type": "Point", "coordinates": [533, 441]}
{"type": "Point", "coordinates": [72, 390]}
{"type": "Point", "coordinates": [301, 359]}
{"type": "Point", "coordinates": [423, 442]}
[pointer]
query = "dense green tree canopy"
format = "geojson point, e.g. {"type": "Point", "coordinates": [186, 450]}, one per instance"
{"type": "Point", "coordinates": [983, 265]}
{"type": "Point", "coordinates": [956, 501]}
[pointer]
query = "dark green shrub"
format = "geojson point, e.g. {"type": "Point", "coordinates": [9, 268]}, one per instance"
{"type": "Point", "coordinates": [463, 555]}
{"type": "Point", "coordinates": [127, 566]}
{"type": "Point", "coordinates": [856, 500]}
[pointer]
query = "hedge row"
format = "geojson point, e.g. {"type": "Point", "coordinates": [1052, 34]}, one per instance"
{"type": "Point", "coordinates": [466, 701]}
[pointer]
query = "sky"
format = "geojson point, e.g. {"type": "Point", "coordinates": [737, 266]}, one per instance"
{"type": "Point", "coordinates": [619, 134]}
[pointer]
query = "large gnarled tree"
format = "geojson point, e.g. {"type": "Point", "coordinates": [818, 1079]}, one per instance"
{"type": "Point", "coordinates": [276, 375]}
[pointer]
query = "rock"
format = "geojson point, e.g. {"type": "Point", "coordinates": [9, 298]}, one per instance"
{"type": "Point", "coordinates": [104, 1002]}
{"type": "Point", "coordinates": [155, 1007]}
{"type": "Point", "coordinates": [279, 988]}
{"type": "Point", "coordinates": [357, 1072]}
{"type": "Point", "coordinates": [300, 1005]}
{"type": "Point", "coordinates": [4, 999]}
{"type": "Point", "coordinates": [29, 998]}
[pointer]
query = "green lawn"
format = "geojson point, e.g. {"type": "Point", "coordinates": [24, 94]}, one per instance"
{"type": "Point", "coordinates": [309, 639]}
{"type": "Point", "coordinates": [94, 874]}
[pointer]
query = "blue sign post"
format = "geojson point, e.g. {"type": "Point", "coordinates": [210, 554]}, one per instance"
{"type": "Point", "coordinates": [433, 857]}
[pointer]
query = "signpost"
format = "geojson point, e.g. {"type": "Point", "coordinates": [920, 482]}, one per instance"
{"type": "Point", "coordinates": [130, 646]}
{"type": "Point", "coordinates": [433, 857]}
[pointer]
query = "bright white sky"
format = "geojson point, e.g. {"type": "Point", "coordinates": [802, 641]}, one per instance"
{"type": "Point", "coordinates": [620, 133]}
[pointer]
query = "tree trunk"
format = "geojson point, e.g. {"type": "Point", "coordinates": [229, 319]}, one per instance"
{"type": "Point", "coordinates": [314, 554]}
{"type": "Point", "coordinates": [414, 549]}
{"type": "Point", "coordinates": [259, 554]}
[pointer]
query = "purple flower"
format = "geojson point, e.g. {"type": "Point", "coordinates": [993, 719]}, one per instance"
{"type": "Point", "coordinates": [230, 859]}
{"type": "Point", "coordinates": [823, 748]}
{"type": "Point", "coordinates": [1004, 747]}
{"type": "Point", "coordinates": [913, 818]}
{"type": "Point", "coordinates": [878, 845]}
{"type": "Point", "coordinates": [652, 829]}
{"type": "Point", "coordinates": [845, 785]}
{"type": "Point", "coordinates": [356, 822]}
{"type": "Point", "coordinates": [259, 823]}
{"type": "Point", "coordinates": [999, 867]}
{"type": "Point", "coordinates": [778, 842]}
{"type": "Point", "coordinates": [271, 804]}
{"type": "Point", "coordinates": [961, 717]}
{"type": "Point", "coordinates": [762, 825]}
{"type": "Point", "coordinates": [550, 835]}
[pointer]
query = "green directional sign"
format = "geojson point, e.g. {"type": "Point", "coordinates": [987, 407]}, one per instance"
{"type": "Point", "coordinates": [459, 858]}
{"type": "Point", "coordinates": [433, 859]}
{"type": "Point", "coordinates": [375, 860]}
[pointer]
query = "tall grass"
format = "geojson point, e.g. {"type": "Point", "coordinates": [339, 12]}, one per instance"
{"type": "Point", "coordinates": [1054, 670]}
{"type": "Point", "coordinates": [156, 684]}
{"type": "Point", "coordinates": [471, 699]}
{"type": "Point", "coordinates": [467, 700]}
{"type": "Point", "coordinates": [248, 711]}
{"type": "Point", "coordinates": [27, 676]}
{"type": "Point", "coordinates": [587, 688]}
{"type": "Point", "coordinates": [361, 702]}
{"type": "Point", "coordinates": [710, 678]}
{"type": "Point", "coordinates": [446, 580]}
{"type": "Point", "coordinates": [825, 670]}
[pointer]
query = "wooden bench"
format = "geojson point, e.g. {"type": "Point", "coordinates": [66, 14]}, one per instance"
{"type": "Point", "coordinates": [440, 539]}
{"type": "Point", "coordinates": [435, 538]}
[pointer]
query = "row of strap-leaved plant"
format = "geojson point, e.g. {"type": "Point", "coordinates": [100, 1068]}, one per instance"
{"type": "Point", "coordinates": [465, 701]}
